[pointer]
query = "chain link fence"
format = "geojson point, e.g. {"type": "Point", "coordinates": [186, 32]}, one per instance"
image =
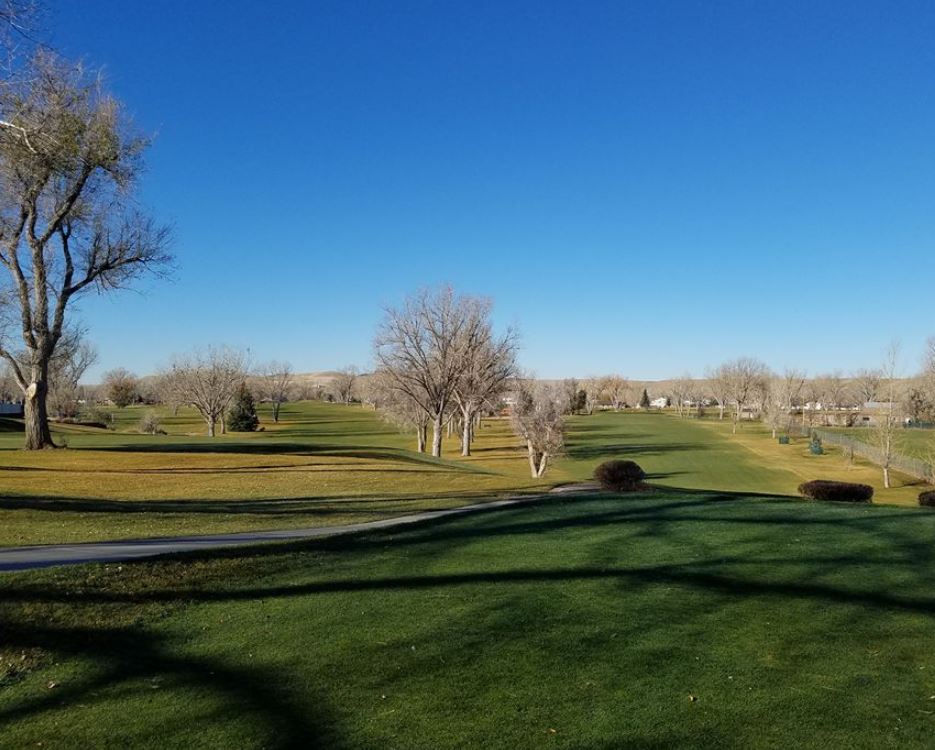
{"type": "Point", "coordinates": [914, 467]}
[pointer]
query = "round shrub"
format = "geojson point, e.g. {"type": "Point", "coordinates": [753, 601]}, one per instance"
{"type": "Point", "coordinates": [150, 424]}
{"type": "Point", "coordinates": [927, 498]}
{"type": "Point", "coordinates": [826, 489]}
{"type": "Point", "coordinates": [620, 476]}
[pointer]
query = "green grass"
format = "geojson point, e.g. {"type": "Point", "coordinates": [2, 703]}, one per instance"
{"type": "Point", "coordinates": [574, 623]}
{"type": "Point", "coordinates": [327, 464]}
{"type": "Point", "coordinates": [915, 442]}
{"type": "Point", "coordinates": [703, 454]}
{"type": "Point", "coordinates": [324, 464]}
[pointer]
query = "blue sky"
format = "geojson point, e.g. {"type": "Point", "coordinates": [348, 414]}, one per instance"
{"type": "Point", "coordinates": [642, 187]}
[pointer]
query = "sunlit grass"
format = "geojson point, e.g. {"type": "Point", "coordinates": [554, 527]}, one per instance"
{"type": "Point", "coordinates": [657, 620]}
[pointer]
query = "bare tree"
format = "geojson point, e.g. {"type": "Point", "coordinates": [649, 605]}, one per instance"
{"type": "Point", "coordinates": [571, 390]}
{"type": "Point", "coordinates": [866, 384]}
{"type": "Point", "coordinates": [747, 382]}
{"type": "Point", "coordinates": [121, 386]}
{"type": "Point", "coordinates": [615, 387]}
{"type": "Point", "coordinates": [417, 348]}
{"type": "Point", "coordinates": [344, 384]}
{"type": "Point", "coordinates": [783, 392]}
{"type": "Point", "coordinates": [834, 393]}
{"type": "Point", "coordinates": [683, 392]}
{"type": "Point", "coordinates": [208, 380]}
{"type": "Point", "coordinates": [591, 386]}
{"type": "Point", "coordinates": [537, 419]}
{"type": "Point", "coordinates": [719, 383]}
{"type": "Point", "coordinates": [885, 431]}
{"type": "Point", "coordinates": [68, 221]}
{"type": "Point", "coordinates": [72, 359]}
{"type": "Point", "coordinates": [398, 408]}
{"type": "Point", "coordinates": [487, 362]}
{"type": "Point", "coordinates": [275, 382]}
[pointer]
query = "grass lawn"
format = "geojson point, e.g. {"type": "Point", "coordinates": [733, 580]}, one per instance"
{"type": "Point", "coordinates": [914, 442]}
{"type": "Point", "coordinates": [328, 464]}
{"type": "Point", "coordinates": [323, 464]}
{"type": "Point", "coordinates": [703, 454]}
{"type": "Point", "coordinates": [666, 619]}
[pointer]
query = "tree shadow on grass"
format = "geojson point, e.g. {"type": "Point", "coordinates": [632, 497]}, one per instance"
{"type": "Point", "coordinates": [509, 521]}
{"type": "Point", "coordinates": [617, 450]}
{"type": "Point", "coordinates": [129, 659]}
{"type": "Point", "coordinates": [755, 568]}
{"type": "Point", "coordinates": [376, 453]}
{"type": "Point", "coordinates": [309, 505]}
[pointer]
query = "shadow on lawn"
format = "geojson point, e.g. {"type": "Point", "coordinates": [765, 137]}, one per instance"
{"type": "Point", "coordinates": [133, 660]}
{"type": "Point", "coordinates": [274, 447]}
{"type": "Point", "coordinates": [616, 450]}
{"type": "Point", "coordinates": [312, 506]}
{"type": "Point", "coordinates": [133, 654]}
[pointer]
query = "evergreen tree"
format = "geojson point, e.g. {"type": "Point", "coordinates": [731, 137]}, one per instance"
{"type": "Point", "coordinates": [242, 416]}
{"type": "Point", "coordinates": [644, 400]}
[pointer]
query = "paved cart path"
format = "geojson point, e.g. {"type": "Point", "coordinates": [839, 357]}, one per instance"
{"type": "Point", "coordinates": [47, 555]}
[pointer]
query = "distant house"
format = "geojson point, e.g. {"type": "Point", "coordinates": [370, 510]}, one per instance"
{"type": "Point", "coordinates": [659, 403]}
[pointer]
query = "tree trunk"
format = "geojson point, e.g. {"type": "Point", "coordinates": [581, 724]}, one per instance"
{"type": "Point", "coordinates": [886, 477]}
{"type": "Point", "coordinates": [421, 431]}
{"type": "Point", "coordinates": [36, 415]}
{"type": "Point", "coordinates": [467, 427]}
{"type": "Point", "coordinates": [533, 459]}
{"type": "Point", "coordinates": [276, 406]}
{"type": "Point", "coordinates": [223, 425]}
{"type": "Point", "coordinates": [543, 465]}
{"type": "Point", "coordinates": [210, 421]}
{"type": "Point", "coordinates": [437, 428]}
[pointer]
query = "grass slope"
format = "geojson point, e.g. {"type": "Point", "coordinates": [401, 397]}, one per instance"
{"type": "Point", "coordinates": [575, 623]}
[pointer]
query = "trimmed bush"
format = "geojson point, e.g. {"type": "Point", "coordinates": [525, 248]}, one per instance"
{"type": "Point", "coordinates": [846, 492]}
{"type": "Point", "coordinates": [927, 498]}
{"type": "Point", "coordinates": [620, 476]}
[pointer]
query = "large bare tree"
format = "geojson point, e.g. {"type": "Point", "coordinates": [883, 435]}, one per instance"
{"type": "Point", "coordinates": [69, 163]}
{"type": "Point", "coordinates": [417, 347]}
{"type": "Point", "coordinates": [207, 380]}
{"type": "Point", "coordinates": [488, 361]}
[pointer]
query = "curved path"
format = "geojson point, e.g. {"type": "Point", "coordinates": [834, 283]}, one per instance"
{"type": "Point", "coordinates": [47, 555]}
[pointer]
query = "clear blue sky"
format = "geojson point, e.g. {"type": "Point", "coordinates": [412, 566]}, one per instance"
{"type": "Point", "coordinates": [642, 187]}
